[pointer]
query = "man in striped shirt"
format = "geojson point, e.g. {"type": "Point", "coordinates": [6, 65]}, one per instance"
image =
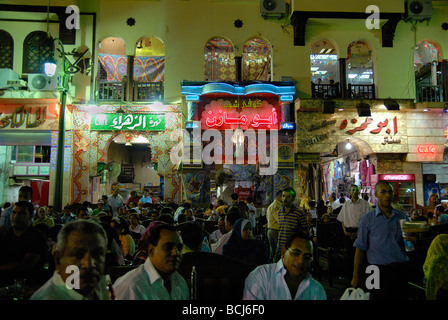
{"type": "Point", "coordinates": [290, 219]}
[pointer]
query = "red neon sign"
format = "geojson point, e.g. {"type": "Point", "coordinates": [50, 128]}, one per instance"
{"type": "Point", "coordinates": [426, 149]}
{"type": "Point", "coordinates": [218, 115]}
{"type": "Point", "coordinates": [396, 177]}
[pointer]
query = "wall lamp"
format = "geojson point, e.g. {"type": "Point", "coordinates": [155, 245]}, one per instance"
{"type": "Point", "coordinates": [364, 110]}
{"type": "Point", "coordinates": [391, 105]}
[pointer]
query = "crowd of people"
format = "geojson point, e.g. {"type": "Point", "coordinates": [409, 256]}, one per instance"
{"type": "Point", "coordinates": [39, 244]}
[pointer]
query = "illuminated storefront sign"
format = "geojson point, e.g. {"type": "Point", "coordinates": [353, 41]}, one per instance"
{"type": "Point", "coordinates": [249, 114]}
{"type": "Point", "coordinates": [30, 117]}
{"type": "Point", "coordinates": [426, 149]}
{"type": "Point", "coordinates": [113, 121]}
{"type": "Point", "coordinates": [396, 177]}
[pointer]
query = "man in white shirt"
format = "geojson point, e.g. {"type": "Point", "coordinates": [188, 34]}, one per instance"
{"type": "Point", "coordinates": [215, 235]}
{"type": "Point", "coordinates": [334, 203]}
{"type": "Point", "coordinates": [351, 211]}
{"type": "Point", "coordinates": [157, 278]}
{"type": "Point", "coordinates": [82, 244]}
{"type": "Point", "coordinates": [115, 200]}
{"type": "Point", "coordinates": [289, 278]}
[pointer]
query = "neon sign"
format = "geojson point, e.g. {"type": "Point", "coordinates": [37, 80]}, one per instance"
{"type": "Point", "coordinates": [396, 177]}
{"type": "Point", "coordinates": [257, 115]}
{"type": "Point", "coordinates": [426, 149]}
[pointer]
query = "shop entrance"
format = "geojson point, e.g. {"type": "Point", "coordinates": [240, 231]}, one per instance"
{"type": "Point", "coordinates": [129, 166]}
{"type": "Point", "coordinates": [348, 164]}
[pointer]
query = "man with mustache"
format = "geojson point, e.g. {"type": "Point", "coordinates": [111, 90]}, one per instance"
{"type": "Point", "coordinates": [289, 278]}
{"type": "Point", "coordinates": [81, 244]}
{"type": "Point", "coordinates": [157, 278]}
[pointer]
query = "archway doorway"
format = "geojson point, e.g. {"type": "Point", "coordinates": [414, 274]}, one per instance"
{"type": "Point", "coordinates": [130, 167]}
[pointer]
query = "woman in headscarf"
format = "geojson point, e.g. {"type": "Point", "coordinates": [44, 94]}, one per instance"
{"type": "Point", "coordinates": [435, 267]}
{"type": "Point", "coordinates": [243, 247]}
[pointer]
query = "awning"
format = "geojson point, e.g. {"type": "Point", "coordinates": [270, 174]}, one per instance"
{"type": "Point", "coordinates": [25, 138]}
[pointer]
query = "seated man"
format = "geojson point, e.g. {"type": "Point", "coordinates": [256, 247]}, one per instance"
{"type": "Point", "coordinates": [157, 278]}
{"type": "Point", "coordinates": [24, 250]}
{"type": "Point", "coordinates": [289, 278]}
{"type": "Point", "coordinates": [83, 244]}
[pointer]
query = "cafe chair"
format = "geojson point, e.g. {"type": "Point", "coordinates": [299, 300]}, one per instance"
{"type": "Point", "coordinates": [218, 277]}
{"type": "Point", "coordinates": [330, 250]}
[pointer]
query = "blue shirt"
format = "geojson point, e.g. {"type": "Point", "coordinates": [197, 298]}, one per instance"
{"type": "Point", "coordinates": [381, 237]}
{"type": "Point", "coordinates": [267, 282]}
{"type": "Point", "coordinates": [145, 199]}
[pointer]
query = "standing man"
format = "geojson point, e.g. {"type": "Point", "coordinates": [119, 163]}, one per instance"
{"type": "Point", "coordinates": [290, 219]}
{"type": "Point", "coordinates": [157, 278]}
{"type": "Point", "coordinates": [24, 250]}
{"type": "Point", "coordinates": [289, 278]}
{"type": "Point", "coordinates": [82, 244]}
{"type": "Point", "coordinates": [352, 210]}
{"type": "Point", "coordinates": [25, 194]}
{"type": "Point", "coordinates": [380, 240]}
{"type": "Point", "coordinates": [115, 200]}
{"type": "Point", "coordinates": [272, 217]}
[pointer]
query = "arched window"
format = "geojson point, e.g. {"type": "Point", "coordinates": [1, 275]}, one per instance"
{"type": "Point", "coordinates": [219, 58]}
{"type": "Point", "coordinates": [38, 47]}
{"type": "Point", "coordinates": [149, 69]}
{"type": "Point", "coordinates": [149, 61]}
{"type": "Point", "coordinates": [428, 80]}
{"type": "Point", "coordinates": [6, 50]}
{"type": "Point", "coordinates": [256, 60]}
{"type": "Point", "coordinates": [324, 62]}
{"type": "Point", "coordinates": [359, 63]}
{"type": "Point", "coordinates": [112, 60]}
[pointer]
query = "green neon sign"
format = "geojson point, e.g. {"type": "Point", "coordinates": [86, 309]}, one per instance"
{"type": "Point", "coordinates": [140, 122]}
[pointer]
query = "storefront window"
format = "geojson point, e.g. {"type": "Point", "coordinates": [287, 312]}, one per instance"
{"type": "Point", "coordinates": [33, 154]}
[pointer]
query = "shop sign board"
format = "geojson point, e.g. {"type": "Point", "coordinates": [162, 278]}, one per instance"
{"type": "Point", "coordinates": [138, 122]}
{"type": "Point", "coordinates": [28, 116]}
{"type": "Point", "coordinates": [248, 114]}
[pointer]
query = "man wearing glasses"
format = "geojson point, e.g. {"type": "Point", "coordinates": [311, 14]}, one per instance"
{"type": "Point", "coordinates": [289, 278]}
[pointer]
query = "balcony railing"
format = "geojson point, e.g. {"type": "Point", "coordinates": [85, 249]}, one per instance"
{"type": "Point", "coordinates": [332, 91]}
{"type": "Point", "coordinates": [111, 91]}
{"type": "Point", "coordinates": [142, 91]}
{"type": "Point", "coordinates": [361, 91]}
{"type": "Point", "coordinates": [148, 91]}
{"type": "Point", "coordinates": [429, 93]}
{"type": "Point", "coordinates": [326, 91]}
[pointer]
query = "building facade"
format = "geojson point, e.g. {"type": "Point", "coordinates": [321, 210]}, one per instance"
{"type": "Point", "coordinates": [130, 58]}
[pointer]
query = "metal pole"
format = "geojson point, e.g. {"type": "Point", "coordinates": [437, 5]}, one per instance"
{"type": "Point", "coordinates": [58, 191]}
{"type": "Point", "coordinates": [59, 180]}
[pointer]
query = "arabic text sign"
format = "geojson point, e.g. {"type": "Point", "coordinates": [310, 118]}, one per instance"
{"type": "Point", "coordinates": [258, 115]}
{"type": "Point", "coordinates": [113, 121]}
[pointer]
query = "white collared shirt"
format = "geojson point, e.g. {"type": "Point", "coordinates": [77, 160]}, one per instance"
{"type": "Point", "coordinates": [267, 282]}
{"type": "Point", "coordinates": [56, 289]}
{"type": "Point", "coordinates": [351, 212]}
{"type": "Point", "coordinates": [145, 283]}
